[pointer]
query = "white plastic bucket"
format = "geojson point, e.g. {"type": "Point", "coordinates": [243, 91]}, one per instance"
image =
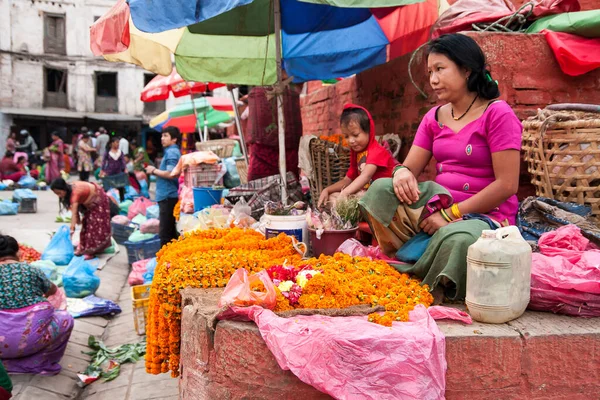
{"type": "Point", "coordinates": [291, 225]}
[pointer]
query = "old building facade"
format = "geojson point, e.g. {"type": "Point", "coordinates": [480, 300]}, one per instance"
{"type": "Point", "coordinates": [49, 79]}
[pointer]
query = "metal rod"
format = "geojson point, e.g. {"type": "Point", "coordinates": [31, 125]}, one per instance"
{"type": "Point", "coordinates": [196, 115]}
{"type": "Point", "coordinates": [280, 114]}
{"type": "Point", "coordinates": [238, 124]}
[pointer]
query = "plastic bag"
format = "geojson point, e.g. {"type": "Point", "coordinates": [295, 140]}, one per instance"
{"type": "Point", "coordinates": [187, 200]}
{"type": "Point", "coordinates": [406, 360]}
{"type": "Point", "coordinates": [58, 300]}
{"type": "Point", "coordinates": [27, 182]}
{"type": "Point", "coordinates": [232, 177]}
{"type": "Point", "coordinates": [48, 268]}
{"type": "Point", "coordinates": [131, 193]}
{"type": "Point", "coordinates": [124, 206]}
{"type": "Point", "coordinates": [238, 291]}
{"type": "Point", "coordinates": [7, 207]}
{"type": "Point", "coordinates": [464, 13]}
{"type": "Point", "coordinates": [150, 226]}
{"type": "Point", "coordinates": [354, 248]}
{"type": "Point", "coordinates": [138, 236]}
{"type": "Point", "coordinates": [120, 219]}
{"type": "Point", "coordinates": [152, 212]}
{"type": "Point", "coordinates": [138, 269]}
{"type": "Point", "coordinates": [144, 191]}
{"type": "Point", "coordinates": [92, 305]}
{"type": "Point", "coordinates": [21, 194]}
{"type": "Point", "coordinates": [79, 279]}
{"type": "Point", "coordinates": [150, 267]}
{"type": "Point", "coordinates": [60, 249]}
{"type": "Point", "coordinates": [240, 215]}
{"type": "Point", "coordinates": [139, 219]}
{"type": "Point", "coordinates": [3, 186]}
{"type": "Point", "coordinates": [139, 206]}
{"type": "Point", "coordinates": [114, 193]}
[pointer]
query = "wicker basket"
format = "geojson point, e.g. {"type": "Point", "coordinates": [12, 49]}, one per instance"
{"type": "Point", "coordinates": [221, 147]}
{"type": "Point", "coordinates": [202, 175]}
{"type": "Point", "coordinates": [242, 169]}
{"type": "Point", "coordinates": [140, 297]}
{"type": "Point", "coordinates": [562, 151]}
{"type": "Point", "coordinates": [330, 163]}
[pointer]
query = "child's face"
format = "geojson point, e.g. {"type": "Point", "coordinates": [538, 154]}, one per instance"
{"type": "Point", "coordinates": [358, 140]}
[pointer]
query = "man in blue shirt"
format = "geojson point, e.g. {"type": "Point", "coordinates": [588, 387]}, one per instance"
{"type": "Point", "coordinates": [166, 186]}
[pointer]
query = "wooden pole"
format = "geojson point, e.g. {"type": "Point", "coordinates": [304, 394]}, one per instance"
{"type": "Point", "coordinates": [280, 114]}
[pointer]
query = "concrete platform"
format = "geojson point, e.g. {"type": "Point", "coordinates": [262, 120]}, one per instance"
{"type": "Point", "coordinates": [538, 356]}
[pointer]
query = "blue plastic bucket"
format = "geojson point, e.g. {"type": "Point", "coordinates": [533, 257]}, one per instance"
{"type": "Point", "coordinates": [205, 197]}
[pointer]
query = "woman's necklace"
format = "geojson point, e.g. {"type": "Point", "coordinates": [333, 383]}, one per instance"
{"type": "Point", "coordinates": [465, 113]}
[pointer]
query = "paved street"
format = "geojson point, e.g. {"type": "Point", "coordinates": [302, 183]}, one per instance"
{"type": "Point", "coordinates": [133, 382]}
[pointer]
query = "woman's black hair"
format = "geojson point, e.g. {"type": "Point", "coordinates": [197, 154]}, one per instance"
{"type": "Point", "coordinates": [111, 141]}
{"type": "Point", "coordinates": [55, 133]}
{"type": "Point", "coordinates": [357, 115]}
{"type": "Point", "coordinates": [466, 53]}
{"type": "Point", "coordinates": [9, 247]}
{"type": "Point", "coordinates": [61, 184]}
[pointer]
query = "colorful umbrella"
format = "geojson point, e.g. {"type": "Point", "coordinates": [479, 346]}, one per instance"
{"type": "Point", "coordinates": [251, 41]}
{"type": "Point", "coordinates": [234, 41]}
{"type": "Point", "coordinates": [189, 115]}
{"type": "Point", "coordinates": [160, 87]}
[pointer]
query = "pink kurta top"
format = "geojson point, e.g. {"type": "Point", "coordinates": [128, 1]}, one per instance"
{"type": "Point", "coordinates": [464, 158]}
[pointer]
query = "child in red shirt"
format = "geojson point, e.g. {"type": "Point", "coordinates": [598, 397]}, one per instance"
{"type": "Point", "coordinates": [369, 160]}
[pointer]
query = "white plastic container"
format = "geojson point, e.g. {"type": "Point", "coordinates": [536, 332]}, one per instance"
{"type": "Point", "coordinates": [498, 276]}
{"type": "Point", "coordinates": [291, 225]}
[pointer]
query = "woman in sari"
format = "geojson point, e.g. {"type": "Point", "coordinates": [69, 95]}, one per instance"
{"type": "Point", "coordinates": [114, 165]}
{"type": "Point", "coordinates": [56, 160]}
{"type": "Point", "coordinates": [89, 207]}
{"type": "Point", "coordinates": [476, 142]}
{"type": "Point", "coordinates": [34, 334]}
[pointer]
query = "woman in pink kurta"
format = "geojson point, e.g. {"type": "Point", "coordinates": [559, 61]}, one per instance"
{"type": "Point", "coordinates": [464, 159]}
{"type": "Point", "coordinates": [476, 141]}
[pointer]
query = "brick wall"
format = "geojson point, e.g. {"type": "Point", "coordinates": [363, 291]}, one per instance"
{"type": "Point", "coordinates": [528, 75]}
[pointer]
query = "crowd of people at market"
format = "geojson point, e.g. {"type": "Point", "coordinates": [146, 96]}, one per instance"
{"type": "Point", "coordinates": [474, 137]}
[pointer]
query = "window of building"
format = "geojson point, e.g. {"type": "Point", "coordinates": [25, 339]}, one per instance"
{"type": "Point", "coordinates": [96, 18]}
{"type": "Point", "coordinates": [106, 92]}
{"type": "Point", "coordinates": [55, 93]}
{"type": "Point", "coordinates": [54, 34]}
{"type": "Point", "coordinates": [153, 107]}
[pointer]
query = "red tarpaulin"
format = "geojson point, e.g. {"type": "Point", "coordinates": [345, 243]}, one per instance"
{"type": "Point", "coordinates": [576, 55]}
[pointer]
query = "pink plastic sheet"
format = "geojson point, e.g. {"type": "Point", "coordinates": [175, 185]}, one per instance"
{"type": "Point", "coordinates": [351, 358]}
{"type": "Point", "coordinates": [565, 277]}
{"type": "Point", "coordinates": [136, 276]}
{"type": "Point", "coordinates": [139, 206]}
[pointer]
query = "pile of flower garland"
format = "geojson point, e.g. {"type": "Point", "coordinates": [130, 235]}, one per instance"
{"type": "Point", "coordinates": [342, 281]}
{"type": "Point", "coordinates": [208, 258]}
{"type": "Point", "coordinates": [201, 259]}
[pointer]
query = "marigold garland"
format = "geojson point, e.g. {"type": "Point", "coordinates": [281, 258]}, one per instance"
{"type": "Point", "coordinates": [208, 258]}
{"type": "Point", "coordinates": [177, 210]}
{"type": "Point", "coordinates": [201, 259]}
{"type": "Point", "coordinates": [348, 281]}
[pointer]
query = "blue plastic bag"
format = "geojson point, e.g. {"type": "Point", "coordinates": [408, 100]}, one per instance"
{"type": "Point", "coordinates": [232, 177]}
{"type": "Point", "coordinates": [114, 193]}
{"type": "Point", "coordinates": [60, 250]}
{"type": "Point", "coordinates": [149, 275]}
{"type": "Point", "coordinates": [90, 306]}
{"type": "Point", "coordinates": [144, 188]}
{"type": "Point", "coordinates": [7, 207]}
{"type": "Point", "coordinates": [79, 279]}
{"type": "Point", "coordinates": [152, 212]}
{"type": "Point", "coordinates": [131, 193]}
{"type": "Point", "coordinates": [27, 182]}
{"type": "Point", "coordinates": [3, 186]}
{"type": "Point", "coordinates": [21, 194]}
{"type": "Point", "coordinates": [48, 268]}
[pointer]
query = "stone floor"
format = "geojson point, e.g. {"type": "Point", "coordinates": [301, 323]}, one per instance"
{"type": "Point", "coordinates": [133, 383]}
